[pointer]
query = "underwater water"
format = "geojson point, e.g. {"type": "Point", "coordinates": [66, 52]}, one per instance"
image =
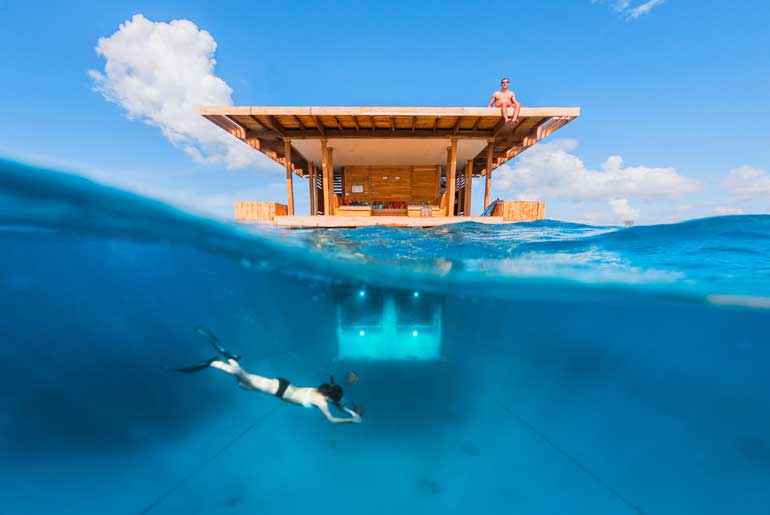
{"type": "Point", "coordinates": [539, 368]}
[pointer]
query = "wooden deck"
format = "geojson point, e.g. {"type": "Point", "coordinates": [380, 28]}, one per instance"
{"type": "Point", "coordinates": [302, 222]}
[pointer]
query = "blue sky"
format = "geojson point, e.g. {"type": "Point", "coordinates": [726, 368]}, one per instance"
{"type": "Point", "coordinates": [678, 89]}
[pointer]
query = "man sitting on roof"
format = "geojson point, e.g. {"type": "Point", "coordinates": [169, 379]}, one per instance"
{"type": "Point", "coordinates": [505, 98]}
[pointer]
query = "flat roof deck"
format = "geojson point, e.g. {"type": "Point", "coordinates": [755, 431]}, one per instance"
{"type": "Point", "coordinates": [268, 128]}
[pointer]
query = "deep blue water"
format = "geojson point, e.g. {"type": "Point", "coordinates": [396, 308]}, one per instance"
{"type": "Point", "coordinates": [581, 369]}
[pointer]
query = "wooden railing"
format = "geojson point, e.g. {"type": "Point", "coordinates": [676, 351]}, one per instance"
{"type": "Point", "coordinates": [520, 210]}
{"type": "Point", "coordinates": [259, 211]}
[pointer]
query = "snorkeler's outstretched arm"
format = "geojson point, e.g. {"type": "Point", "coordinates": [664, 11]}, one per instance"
{"type": "Point", "coordinates": [336, 420]}
{"type": "Point", "coordinates": [350, 412]}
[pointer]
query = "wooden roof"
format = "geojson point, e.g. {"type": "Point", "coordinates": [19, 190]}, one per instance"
{"type": "Point", "coordinates": [266, 128]}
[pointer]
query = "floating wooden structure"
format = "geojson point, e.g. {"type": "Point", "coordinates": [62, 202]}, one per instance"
{"type": "Point", "coordinates": [405, 166]}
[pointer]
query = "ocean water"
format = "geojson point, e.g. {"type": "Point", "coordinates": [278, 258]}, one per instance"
{"type": "Point", "coordinates": [539, 368]}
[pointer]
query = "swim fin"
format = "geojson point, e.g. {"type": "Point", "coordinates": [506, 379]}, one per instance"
{"type": "Point", "coordinates": [214, 341]}
{"type": "Point", "coordinates": [197, 367]}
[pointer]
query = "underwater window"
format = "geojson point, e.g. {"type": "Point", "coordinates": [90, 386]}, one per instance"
{"type": "Point", "coordinates": [361, 308]}
{"type": "Point", "coordinates": [415, 309]}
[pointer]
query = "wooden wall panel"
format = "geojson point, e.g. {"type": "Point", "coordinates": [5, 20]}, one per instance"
{"type": "Point", "coordinates": [358, 175]}
{"type": "Point", "coordinates": [424, 184]}
{"type": "Point", "coordinates": [390, 183]}
{"type": "Point", "coordinates": [411, 184]}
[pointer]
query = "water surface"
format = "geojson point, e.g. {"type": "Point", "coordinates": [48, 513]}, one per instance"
{"type": "Point", "coordinates": [579, 369]}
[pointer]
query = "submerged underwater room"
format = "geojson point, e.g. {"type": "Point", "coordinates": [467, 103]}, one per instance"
{"type": "Point", "coordinates": [388, 325]}
{"type": "Point", "coordinates": [617, 384]}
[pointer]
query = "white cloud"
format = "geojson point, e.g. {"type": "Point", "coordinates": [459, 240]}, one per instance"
{"type": "Point", "coordinates": [746, 182]}
{"type": "Point", "coordinates": [621, 5]}
{"type": "Point", "coordinates": [623, 210]}
{"type": "Point", "coordinates": [161, 73]}
{"type": "Point", "coordinates": [642, 9]}
{"type": "Point", "coordinates": [550, 170]}
{"type": "Point", "coordinates": [624, 7]}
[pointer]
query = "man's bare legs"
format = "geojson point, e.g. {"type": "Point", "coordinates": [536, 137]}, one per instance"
{"type": "Point", "coordinates": [245, 380]}
{"type": "Point", "coordinates": [516, 109]}
{"type": "Point", "coordinates": [505, 98]}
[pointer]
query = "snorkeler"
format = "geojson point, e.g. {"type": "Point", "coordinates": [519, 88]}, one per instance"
{"type": "Point", "coordinates": [280, 387]}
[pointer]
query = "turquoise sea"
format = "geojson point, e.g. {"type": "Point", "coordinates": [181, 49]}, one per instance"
{"type": "Point", "coordinates": [533, 368]}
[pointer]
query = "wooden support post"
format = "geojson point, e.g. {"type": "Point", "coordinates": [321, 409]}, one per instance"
{"type": "Point", "coordinates": [313, 189]}
{"type": "Point", "coordinates": [331, 179]}
{"type": "Point", "coordinates": [468, 182]}
{"type": "Point", "coordinates": [289, 173]}
{"type": "Point", "coordinates": [325, 175]}
{"type": "Point", "coordinates": [451, 179]}
{"type": "Point", "coordinates": [446, 179]}
{"type": "Point", "coordinates": [488, 178]}
{"type": "Point", "coordinates": [311, 186]}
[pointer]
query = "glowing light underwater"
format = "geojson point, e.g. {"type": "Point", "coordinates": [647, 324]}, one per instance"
{"type": "Point", "coordinates": [388, 327]}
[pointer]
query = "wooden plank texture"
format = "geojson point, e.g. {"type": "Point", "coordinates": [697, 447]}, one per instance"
{"type": "Point", "coordinates": [390, 183]}
{"type": "Point", "coordinates": [451, 176]}
{"type": "Point", "coordinates": [519, 210]}
{"type": "Point", "coordinates": [325, 176]}
{"type": "Point", "coordinates": [312, 189]}
{"type": "Point", "coordinates": [488, 178]}
{"type": "Point", "coordinates": [384, 111]}
{"type": "Point", "coordinates": [468, 188]}
{"type": "Point", "coordinates": [407, 184]}
{"type": "Point", "coordinates": [259, 211]}
{"type": "Point", "coordinates": [289, 181]}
